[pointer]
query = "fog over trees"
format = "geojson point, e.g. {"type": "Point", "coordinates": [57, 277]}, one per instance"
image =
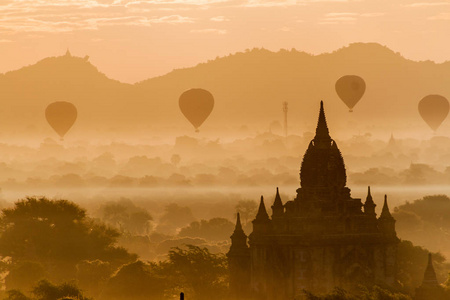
{"type": "Point", "coordinates": [56, 248]}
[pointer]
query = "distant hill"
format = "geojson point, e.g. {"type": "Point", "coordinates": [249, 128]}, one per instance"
{"type": "Point", "coordinates": [248, 87]}
{"type": "Point", "coordinates": [25, 94]}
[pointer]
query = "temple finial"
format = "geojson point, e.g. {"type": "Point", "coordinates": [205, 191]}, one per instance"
{"type": "Point", "coordinates": [238, 222]}
{"type": "Point", "coordinates": [369, 205]}
{"type": "Point", "coordinates": [322, 127]}
{"type": "Point", "coordinates": [369, 198]}
{"type": "Point", "coordinates": [277, 207]}
{"type": "Point", "coordinates": [385, 213]}
{"type": "Point", "coordinates": [277, 197]}
{"type": "Point", "coordinates": [262, 212]}
{"type": "Point", "coordinates": [238, 238]}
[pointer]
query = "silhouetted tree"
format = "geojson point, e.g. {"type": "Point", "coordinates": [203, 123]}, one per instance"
{"type": "Point", "coordinates": [45, 290]}
{"type": "Point", "coordinates": [137, 280]}
{"type": "Point", "coordinates": [93, 275]}
{"type": "Point", "coordinates": [16, 295]}
{"type": "Point", "coordinates": [175, 216]}
{"type": "Point", "coordinates": [125, 216]}
{"type": "Point", "coordinates": [197, 270]}
{"type": "Point", "coordinates": [23, 276]}
{"type": "Point", "coordinates": [363, 293]}
{"type": "Point", "coordinates": [58, 235]}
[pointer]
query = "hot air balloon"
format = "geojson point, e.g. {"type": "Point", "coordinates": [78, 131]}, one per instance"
{"type": "Point", "coordinates": [434, 109]}
{"type": "Point", "coordinates": [350, 88]}
{"type": "Point", "coordinates": [61, 116]}
{"type": "Point", "coordinates": [196, 105]}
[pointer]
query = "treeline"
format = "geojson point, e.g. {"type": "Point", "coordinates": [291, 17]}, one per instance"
{"type": "Point", "coordinates": [273, 160]}
{"type": "Point", "coordinates": [52, 249]}
{"type": "Point", "coordinates": [426, 221]}
{"type": "Point", "coordinates": [259, 173]}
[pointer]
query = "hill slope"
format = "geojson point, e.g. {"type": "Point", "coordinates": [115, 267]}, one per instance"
{"type": "Point", "coordinates": [248, 88]}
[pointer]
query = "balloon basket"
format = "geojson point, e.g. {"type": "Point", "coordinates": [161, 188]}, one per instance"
{"type": "Point", "coordinates": [196, 130]}
{"type": "Point", "coordinates": [350, 110]}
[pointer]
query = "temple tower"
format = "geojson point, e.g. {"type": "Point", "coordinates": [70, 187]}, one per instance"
{"type": "Point", "coordinates": [239, 263]}
{"type": "Point", "coordinates": [277, 207]}
{"type": "Point", "coordinates": [430, 288]}
{"type": "Point", "coordinates": [323, 238]}
{"type": "Point", "coordinates": [369, 205]}
{"type": "Point", "coordinates": [386, 221]}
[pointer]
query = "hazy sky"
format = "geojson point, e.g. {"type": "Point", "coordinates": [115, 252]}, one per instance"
{"type": "Point", "coordinates": [131, 40]}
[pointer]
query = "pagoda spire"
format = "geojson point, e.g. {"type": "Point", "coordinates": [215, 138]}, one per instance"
{"type": "Point", "coordinates": [261, 223]}
{"type": "Point", "coordinates": [369, 205]}
{"type": "Point", "coordinates": [430, 288]}
{"type": "Point", "coordinates": [322, 133]}
{"type": "Point", "coordinates": [277, 207]}
{"type": "Point", "coordinates": [239, 261]}
{"type": "Point", "coordinates": [238, 223]}
{"type": "Point", "coordinates": [429, 277]}
{"type": "Point", "coordinates": [385, 213]}
{"type": "Point", "coordinates": [386, 222]}
{"type": "Point", "coordinates": [238, 238]}
{"type": "Point", "coordinates": [262, 212]}
{"type": "Point", "coordinates": [322, 165]}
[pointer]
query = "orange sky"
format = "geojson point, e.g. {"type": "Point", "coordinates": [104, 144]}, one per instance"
{"type": "Point", "coordinates": [131, 40]}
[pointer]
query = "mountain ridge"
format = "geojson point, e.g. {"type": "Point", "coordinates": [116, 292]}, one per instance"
{"type": "Point", "coordinates": [338, 51]}
{"type": "Point", "coordinates": [343, 49]}
{"type": "Point", "coordinates": [248, 88]}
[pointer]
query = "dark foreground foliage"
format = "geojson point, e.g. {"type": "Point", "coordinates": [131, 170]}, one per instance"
{"type": "Point", "coordinates": [45, 290]}
{"type": "Point", "coordinates": [363, 293]}
{"type": "Point", "coordinates": [45, 238]}
{"type": "Point", "coordinates": [50, 250]}
{"type": "Point", "coordinates": [55, 240]}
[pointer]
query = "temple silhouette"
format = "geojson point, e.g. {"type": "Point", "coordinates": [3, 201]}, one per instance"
{"type": "Point", "coordinates": [322, 239]}
{"type": "Point", "coordinates": [430, 288]}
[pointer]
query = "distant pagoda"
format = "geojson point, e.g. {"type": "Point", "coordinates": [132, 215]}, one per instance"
{"type": "Point", "coordinates": [322, 239]}
{"type": "Point", "coordinates": [430, 288]}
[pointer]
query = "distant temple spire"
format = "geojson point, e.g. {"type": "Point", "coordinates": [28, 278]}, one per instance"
{"type": "Point", "coordinates": [393, 146]}
{"type": "Point", "coordinates": [429, 277]}
{"type": "Point", "coordinates": [68, 54]}
{"type": "Point", "coordinates": [262, 212]}
{"type": "Point", "coordinates": [322, 133]}
{"type": "Point", "coordinates": [392, 139]}
{"type": "Point", "coordinates": [430, 288]}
